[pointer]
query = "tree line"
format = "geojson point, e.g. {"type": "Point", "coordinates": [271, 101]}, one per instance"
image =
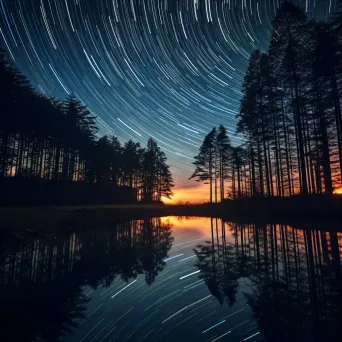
{"type": "Point", "coordinates": [48, 139]}
{"type": "Point", "coordinates": [294, 277]}
{"type": "Point", "coordinates": [44, 282]}
{"type": "Point", "coordinates": [289, 118]}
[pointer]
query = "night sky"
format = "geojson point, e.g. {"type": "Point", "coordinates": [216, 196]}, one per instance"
{"type": "Point", "coordinates": [167, 69]}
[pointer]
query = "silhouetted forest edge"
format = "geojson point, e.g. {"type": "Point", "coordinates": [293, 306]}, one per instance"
{"type": "Point", "coordinates": [290, 116]}
{"type": "Point", "coordinates": [24, 191]}
{"type": "Point", "coordinates": [319, 212]}
{"type": "Point", "coordinates": [51, 153]}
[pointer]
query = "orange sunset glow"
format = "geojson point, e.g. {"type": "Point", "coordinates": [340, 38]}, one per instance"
{"type": "Point", "coordinates": [199, 193]}
{"type": "Point", "coordinates": [199, 224]}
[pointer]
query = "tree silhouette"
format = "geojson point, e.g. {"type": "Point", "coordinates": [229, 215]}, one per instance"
{"type": "Point", "coordinates": [205, 162]}
{"type": "Point", "coordinates": [156, 179]}
{"type": "Point", "coordinates": [224, 155]}
{"type": "Point", "coordinates": [57, 141]}
{"type": "Point", "coordinates": [293, 276]}
{"type": "Point", "coordinates": [43, 281]}
{"type": "Point", "coordinates": [222, 265]}
{"type": "Point", "coordinates": [290, 113]}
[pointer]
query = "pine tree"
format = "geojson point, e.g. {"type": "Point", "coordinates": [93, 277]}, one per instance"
{"type": "Point", "coordinates": [157, 180]}
{"type": "Point", "coordinates": [223, 150]}
{"type": "Point", "coordinates": [290, 113]}
{"type": "Point", "coordinates": [44, 138]}
{"type": "Point", "coordinates": [286, 57]}
{"type": "Point", "coordinates": [205, 161]}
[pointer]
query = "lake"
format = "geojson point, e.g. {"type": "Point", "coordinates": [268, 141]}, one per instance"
{"type": "Point", "coordinates": [173, 279]}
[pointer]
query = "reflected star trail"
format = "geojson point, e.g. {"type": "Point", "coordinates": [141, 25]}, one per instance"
{"type": "Point", "coordinates": [167, 69]}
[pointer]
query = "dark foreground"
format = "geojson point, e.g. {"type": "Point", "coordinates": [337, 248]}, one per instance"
{"type": "Point", "coordinates": [172, 279]}
{"type": "Point", "coordinates": [298, 211]}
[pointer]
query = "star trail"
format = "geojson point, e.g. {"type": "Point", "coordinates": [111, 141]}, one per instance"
{"type": "Point", "coordinates": [167, 69]}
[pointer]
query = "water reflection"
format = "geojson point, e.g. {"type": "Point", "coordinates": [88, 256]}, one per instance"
{"type": "Point", "coordinates": [42, 282]}
{"type": "Point", "coordinates": [291, 277]}
{"type": "Point", "coordinates": [210, 280]}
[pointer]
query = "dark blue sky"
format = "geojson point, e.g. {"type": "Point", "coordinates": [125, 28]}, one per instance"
{"type": "Point", "coordinates": [170, 69]}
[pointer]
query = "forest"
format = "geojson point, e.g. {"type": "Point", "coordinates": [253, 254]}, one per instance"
{"type": "Point", "coordinates": [289, 119]}
{"type": "Point", "coordinates": [50, 151]}
{"type": "Point", "coordinates": [34, 271]}
{"type": "Point", "coordinates": [291, 278]}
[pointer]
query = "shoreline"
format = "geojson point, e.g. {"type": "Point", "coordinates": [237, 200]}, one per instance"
{"type": "Point", "coordinates": [314, 212]}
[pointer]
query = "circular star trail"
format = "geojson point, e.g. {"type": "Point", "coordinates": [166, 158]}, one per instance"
{"type": "Point", "coordinates": [167, 69]}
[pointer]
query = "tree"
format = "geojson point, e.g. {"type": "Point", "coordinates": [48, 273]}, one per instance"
{"type": "Point", "coordinates": [131, 162]}
{"type": "Point", "coordinates": [286, 53]}
{"type": "Point", "coordinates": [157, 180]}
{"type": "Point", "coordinates": [16, 93]}
{"type": "Point", "coordinates": [204, 161]}
{"type": "Point", "coordinates": [223, 152]}
{"type": "Point", "coordinates": [290, 113]}
{"type": "Point", "coordinates": [56, 141]}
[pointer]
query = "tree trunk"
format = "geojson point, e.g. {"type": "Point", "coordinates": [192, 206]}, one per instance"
{"type": "Point", "coordinates": [57, 160]}
{"type": "Point", "coordinates": [211, 176]}
{"type": "Point", "coordinates": [254, 191]}
{"type": "Point", "coordinates": [297, 117]}
{"type": "Point", "coordinates": [239, 180]}
{"type": "Point", "coordinates": [338, 118]}
{"type": "Point", "coordinates": [328, 188]}
{"type": "Point", "coordinates": [287, 158]}
{"type": "Point", "coordinates": [261, 178]}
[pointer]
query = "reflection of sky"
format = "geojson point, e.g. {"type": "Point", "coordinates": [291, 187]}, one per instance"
{"type": "Point", "coordinates": [185, 229]}
{"type": "Point", "coordinates": [277, 264]}
{"type": "Point", "coordinates": [188, 228]}
{"type": "Point", "coordinates": [167, 69]}
{"type": "Point", "coordinates": [177, 306]}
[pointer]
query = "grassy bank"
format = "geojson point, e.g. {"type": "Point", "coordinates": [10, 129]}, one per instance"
{"type": "Point", "coordinates": [319, 212]}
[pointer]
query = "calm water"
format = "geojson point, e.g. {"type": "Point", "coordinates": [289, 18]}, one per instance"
{"type": "Point", "coordinates": [173, 279]}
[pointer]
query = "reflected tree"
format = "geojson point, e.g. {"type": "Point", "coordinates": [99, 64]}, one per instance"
{"type": "Point", "coordinates": [221, 265]}
{"type": "Point", "coordinates": [42, 281]}
{"type": "Point", "coordinates": [295, 282]}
